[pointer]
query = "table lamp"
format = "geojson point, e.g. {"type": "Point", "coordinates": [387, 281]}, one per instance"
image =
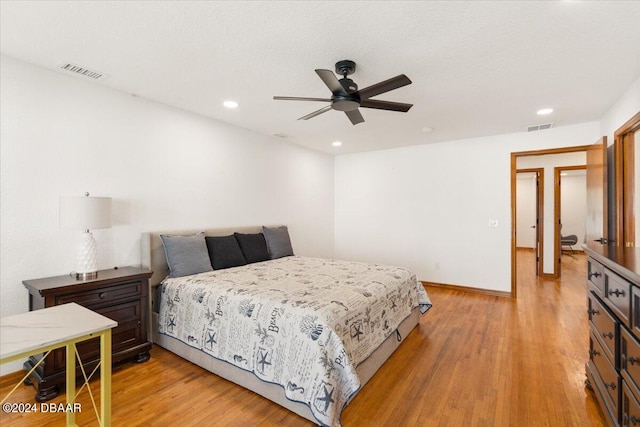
{"type": "Point", "coordinates": [86, 213]}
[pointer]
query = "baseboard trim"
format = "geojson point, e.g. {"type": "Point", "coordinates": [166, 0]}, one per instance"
{"type": "Point", "coordinates": [12, 377]}
{"type": "Point", "coordinates": [548, 276]}
{"type": "Point", "coordinates": [468, 290]}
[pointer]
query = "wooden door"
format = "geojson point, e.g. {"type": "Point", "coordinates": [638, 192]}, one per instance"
{"type": "Point", "coordinates": [539, 216]}
{"type": "Point", "coordinates": [597, 192]}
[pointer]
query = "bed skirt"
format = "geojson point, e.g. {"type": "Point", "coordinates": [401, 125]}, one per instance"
{"type": "Point", "coordinates": [275, 392]}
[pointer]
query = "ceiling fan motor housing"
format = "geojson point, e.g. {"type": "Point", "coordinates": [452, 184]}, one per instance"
{"type": "Point", "coordinates": [348, 85]}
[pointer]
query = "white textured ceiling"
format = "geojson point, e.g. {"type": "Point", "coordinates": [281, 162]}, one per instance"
{"type": "Point", "coordinates": [478, 68]}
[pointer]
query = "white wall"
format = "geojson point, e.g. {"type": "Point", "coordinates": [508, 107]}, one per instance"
{"type": "Point", "coordinates": [164, 168]}
{"type": "Point", "coordinates": [625, 107]}
{"type": "Point", "coordinates": [549, 162]}
{"type": "Point", "coordinates": [573, 206]}
{"type": "Point", "coordinates": [431, 204]}
{"type": "Point", "coordinates": [526, 210]}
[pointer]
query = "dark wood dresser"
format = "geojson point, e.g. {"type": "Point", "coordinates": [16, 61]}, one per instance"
{"type": "Point", "coordinates": [613, 370]}
{"type": "Point", "coordinates": [119, 294]}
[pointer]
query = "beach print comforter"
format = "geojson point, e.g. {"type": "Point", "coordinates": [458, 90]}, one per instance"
{"type": "Point", "coordinates": [303, 323]}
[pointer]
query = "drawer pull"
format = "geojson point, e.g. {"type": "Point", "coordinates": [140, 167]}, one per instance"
{"type": "Point", "coordinates": [617, 292]}
{"type": "Point", "coordinates": [633, 360]}
{"type": "Point", "coordinates": [608, 335]}
{"type": "Point", "coordinates": [594, 274]}
{"type": "Point", "coordinates": [101, 295]}
{"type": "Point", "coordinates": [612, 386]}
{"type": "Point", "coordinates": [592, 311]}
{"type": "Point", "coordinates": [626, 419]}
{"type": "Point", "coordinates": [593, 353]}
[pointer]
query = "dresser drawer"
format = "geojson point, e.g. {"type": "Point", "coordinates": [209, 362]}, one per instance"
{"type": "Point", "coordinates": [618, 295]}
{"type": "Point", "coordinates": [607, 375]}
{"type": "Point", "coordinates": [595, 274]}
{"type": "Point", "coordinates": [630, 360]}
{"type": "Point", "coordinates": [635, 311]}
{"type": "Point", "coordinates": [107, 294]}
{"type": "Point", "coordinates": [630, 408]}
{"type": "Point", "coordinates": [605, 326]}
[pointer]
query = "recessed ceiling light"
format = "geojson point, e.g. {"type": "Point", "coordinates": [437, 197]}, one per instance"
{"type": "Point", "coordinates": [230, 104]}
{"type": "Point", "coordinates": [336, 143]}
{"type": "Point", "coordinates": [545, 111]}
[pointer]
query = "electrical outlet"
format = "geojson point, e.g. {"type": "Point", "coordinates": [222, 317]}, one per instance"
{"type": "Point", "coordinates": [436, 265]}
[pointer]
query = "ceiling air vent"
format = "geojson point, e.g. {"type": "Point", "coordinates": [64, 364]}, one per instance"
{"type": "Point", "coordinates": [539, 127]}
{"type": "Point", "coordinates": [82, 71]}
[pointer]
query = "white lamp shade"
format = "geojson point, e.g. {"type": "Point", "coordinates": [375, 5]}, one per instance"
{"type": "Point", "coordinates": [85, 213]}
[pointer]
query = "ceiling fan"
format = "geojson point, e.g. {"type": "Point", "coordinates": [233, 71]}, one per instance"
{"type": "Point", "coordinates": [346, 96]}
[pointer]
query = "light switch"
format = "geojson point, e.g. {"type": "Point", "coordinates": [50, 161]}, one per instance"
{"type": "Point", "coordinates": [493, 223]}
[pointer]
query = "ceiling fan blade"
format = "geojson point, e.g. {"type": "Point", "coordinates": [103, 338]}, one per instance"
{"type": "Point", "coordinates": [316, 113]}
{"type": "Point", "coordinates": [331, 81]}
{"type": "Point", "coordinates": [385, 86]}
{"type": "Point", "coordinates": [297, 98]}
{"type": "Point", "coordinates": [385, 105]}
{"type": "Point", "coordinates": [354, 116]}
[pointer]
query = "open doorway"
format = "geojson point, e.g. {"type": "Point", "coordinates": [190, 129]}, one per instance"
{"type": "Point", "coordinates": [570, 211]}
{"type": "Point", "coordinates": [530, 211]}
{"type": "Point", "coordinates": [596, 224]}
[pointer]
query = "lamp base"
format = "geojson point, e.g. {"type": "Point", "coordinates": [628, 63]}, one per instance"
{"type": "Point", "coordinates": [90, 275]}
{"type": "Point", "coordinates": [87, 258]}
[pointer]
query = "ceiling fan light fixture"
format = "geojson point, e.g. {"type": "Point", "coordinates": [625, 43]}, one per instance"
{"type": "Point", "coordinates": [230, 104]}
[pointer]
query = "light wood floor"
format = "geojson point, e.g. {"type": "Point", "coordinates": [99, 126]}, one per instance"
{"type": "Point", "coordinates": [474, 360]}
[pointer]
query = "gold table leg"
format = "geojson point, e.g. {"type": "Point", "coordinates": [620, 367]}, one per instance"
{"type": "Point", "coordinates": [71, 382]}
{"type": "Point", "coordinates": [105, 378]}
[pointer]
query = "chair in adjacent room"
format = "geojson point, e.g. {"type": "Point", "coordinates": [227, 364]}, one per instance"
{"type": "Point", "coordinates": [569, 240]}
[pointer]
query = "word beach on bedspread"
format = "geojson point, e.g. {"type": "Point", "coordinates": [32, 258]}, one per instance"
{"type": "Point", "coordinates": [303, 323]}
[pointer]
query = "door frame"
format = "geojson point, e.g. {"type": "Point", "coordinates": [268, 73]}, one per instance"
{"type": "Point", "coordinates": [514, 168]}
{"type": "Point", "coordinates": [624, 182]}
{"type": "Point", "coordinates": [539, 215]}
{"type": "Point", "coordinates": [557, 213]}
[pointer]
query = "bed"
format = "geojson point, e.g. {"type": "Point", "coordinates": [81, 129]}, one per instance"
{"type": "Point", "coordinates": [305, 333]}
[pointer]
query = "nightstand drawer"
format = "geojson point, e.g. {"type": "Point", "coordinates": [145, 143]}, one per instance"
{"type": "Point", "coordinates": [123, 337]}
{"type": "Point", "coordinates": [94, 297]}
{"type": "Point", "coordinates": [127, 334]}
{"type": "Point", "coordinates": [605, 326]}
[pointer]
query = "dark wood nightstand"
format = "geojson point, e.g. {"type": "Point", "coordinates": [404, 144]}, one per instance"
{"type": "Point", "coordinates": [119, 294]}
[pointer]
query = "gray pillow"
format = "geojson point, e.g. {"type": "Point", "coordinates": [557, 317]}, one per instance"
{"type": "Point", "coordinates": [186, 255]}
{"type": "Point", "coordinates": [278, 241]}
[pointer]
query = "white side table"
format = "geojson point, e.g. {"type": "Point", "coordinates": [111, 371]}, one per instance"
{"type": "Point", "coordinates": [41, 331]}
